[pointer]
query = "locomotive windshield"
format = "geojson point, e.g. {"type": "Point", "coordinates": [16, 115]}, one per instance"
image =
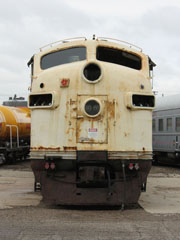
{"type": "Point", "coordinates": [120, 57]}
{"type": "Point", "coordinates": [63, 56]}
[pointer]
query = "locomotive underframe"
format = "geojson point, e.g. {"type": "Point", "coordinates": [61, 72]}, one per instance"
{"type": "Point", "coordinates": [90, 179]}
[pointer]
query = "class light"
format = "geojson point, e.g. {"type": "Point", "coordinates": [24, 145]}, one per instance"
{"type": "Point", "coordinates": [46, 165]}
{"type": "Point", "coordinates": [136, 166]}
{"type": "Point", "coordinates": [131, 166]}
{"type": "Point", "coordinates": [52, 166]}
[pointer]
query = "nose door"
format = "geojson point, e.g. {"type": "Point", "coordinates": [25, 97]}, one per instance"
{"type": "Point", "coordinates": [92, 123]}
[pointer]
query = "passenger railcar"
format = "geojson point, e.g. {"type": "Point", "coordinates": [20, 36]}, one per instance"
{"type": "Point", "coordinates": [91, 121]}
{"type": "Point", "coordinates": [166, 130]}
{"type": "Point", "coordinates": [14, 133]}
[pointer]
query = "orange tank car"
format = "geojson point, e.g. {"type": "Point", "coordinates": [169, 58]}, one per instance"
{"type": "Point", "coordinates": [14, 132]}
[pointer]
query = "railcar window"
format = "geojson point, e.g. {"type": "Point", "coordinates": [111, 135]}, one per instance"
{"type": "Point", "coordinates": [118, 57]}
{"type": "Point", "coordinates": [178, 124]}
{"type": "Point", "coordinates": [63, 56]}
{"type": "Point", "coordinates": [169, 124]}
{"type": "Point", "coordinates": [161, 128]}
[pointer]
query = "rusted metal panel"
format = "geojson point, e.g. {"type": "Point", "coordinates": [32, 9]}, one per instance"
{"type": "Point", "coordinates": [118, 130]}
{"type": "Point", "coordinates": [70, 148]}
{"type": "Point", "coordinates": [41, 148]}
{"type": "Point", "coordinates": [92, 129]}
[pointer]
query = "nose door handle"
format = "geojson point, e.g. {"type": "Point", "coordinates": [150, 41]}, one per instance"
{"type": "Point", "coordinates": [78, 117]}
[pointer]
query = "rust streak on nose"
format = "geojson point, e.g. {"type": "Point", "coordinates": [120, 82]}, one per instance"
{"type": "Point", "coordinates": [45, 148]}
{"type": "Point", "coordinates": [70, 148]}
{"type": "Point", "coordinates": [111, 109]}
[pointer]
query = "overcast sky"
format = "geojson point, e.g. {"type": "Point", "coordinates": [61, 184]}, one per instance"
{"type": "Point", "coordinates": [26, 25]}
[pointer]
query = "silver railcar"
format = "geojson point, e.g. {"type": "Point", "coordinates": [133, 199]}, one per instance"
{"type": "Point", "coordinates": [166, 130]}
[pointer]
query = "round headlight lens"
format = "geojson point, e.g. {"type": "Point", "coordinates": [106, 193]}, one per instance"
{"type": "Point", "coordinates": [92, 72]}
{"type": "Point", "coordinates": [92, 107]}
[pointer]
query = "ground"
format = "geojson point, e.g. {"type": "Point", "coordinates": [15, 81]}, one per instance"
{"type": "Point", "coordinates": [24, 216]}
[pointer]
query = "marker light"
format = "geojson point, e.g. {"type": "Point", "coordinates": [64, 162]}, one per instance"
{"type": "Point", "coordinates": [131, 166]}
{"type": "Point", "coordinates": [46, 166]}
{"type": "Point", "coordinates": [65, 82]}
{"type": "Point", "coordinates": [136, 166]}
{"type": "Point", "coordinates": [52, 166]}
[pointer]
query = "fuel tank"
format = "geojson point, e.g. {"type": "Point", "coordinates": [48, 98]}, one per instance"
{"type": "Point", "coordinates": [15, 120]}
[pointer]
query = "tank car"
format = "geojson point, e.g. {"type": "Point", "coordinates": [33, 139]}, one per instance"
{"type": "Point", "coordinates": [91, 121]}
{"type": "Point", "coordinates": [166, 130]}
{"type": "Point", "coordinates": [14, 133]}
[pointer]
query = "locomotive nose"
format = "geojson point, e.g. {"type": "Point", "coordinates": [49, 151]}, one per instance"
{"type": "Point", "coordinates": [92, 72]}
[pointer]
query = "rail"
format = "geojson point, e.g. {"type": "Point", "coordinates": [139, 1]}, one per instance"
{"type": "Point", "coordinates": [62, 41]}
{"type": "Point", "coordinates": [94, 38]}
{"type": "Point", "coordinates": [117, 40]}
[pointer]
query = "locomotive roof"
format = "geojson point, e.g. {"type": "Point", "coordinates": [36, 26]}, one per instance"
{"type": "Point", "coordinates": [167, 103]}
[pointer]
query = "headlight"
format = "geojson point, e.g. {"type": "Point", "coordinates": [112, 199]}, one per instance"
{"type": "Point", "coordinates": [92, 73]}
{"type": "Point", "coordinates": [92, 108]}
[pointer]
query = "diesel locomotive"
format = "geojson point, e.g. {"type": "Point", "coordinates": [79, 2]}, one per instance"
{"type": "Point", "coordinates": [91, 107]}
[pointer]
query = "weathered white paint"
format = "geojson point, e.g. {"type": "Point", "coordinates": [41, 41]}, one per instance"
{"type": "Point", "coordinates": [119, 128]}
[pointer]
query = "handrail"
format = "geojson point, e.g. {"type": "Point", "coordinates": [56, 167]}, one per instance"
{"type": "Point", "coordinates": [64, 40]}
{"type": "Point", "coordinates": [17, 132]}
{"type": "Point", "coordinates": [114, 39]}
{"type": "Point", "coordinates": [98, 38]}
